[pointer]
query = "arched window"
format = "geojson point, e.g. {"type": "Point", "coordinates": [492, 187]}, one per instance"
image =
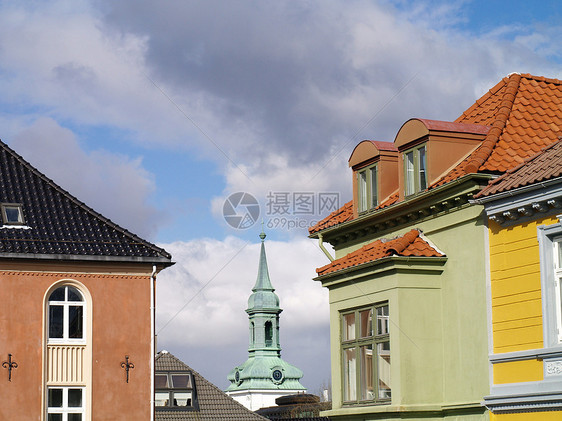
{"type": "Point", "coordinates": [67, 352]}
{"type": "Point", "coordinates": [66, 315]}
{"type": "Point", "coordinates": [268, 334]}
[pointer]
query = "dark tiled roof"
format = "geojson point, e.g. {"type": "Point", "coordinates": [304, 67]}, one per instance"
{"type": "Point", "coordinates": [214, 404]}
{"type": "Point", "coordinates": [525, 115]}
{"type": "Point", "coordinates": [546, 165]}
{"type": "Point", "coordinates": [60, 226]}
{"type": "Point", "coordinates": [410, 244]}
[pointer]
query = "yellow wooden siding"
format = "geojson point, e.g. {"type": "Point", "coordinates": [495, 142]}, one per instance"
{"type": "Point", "coordinates": [516, 286]}
{"type": "Point", "coordinates": [518, 371]}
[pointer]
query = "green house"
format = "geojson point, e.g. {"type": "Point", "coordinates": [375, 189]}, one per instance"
{"type": "Point", "coordinates": [409, 282]}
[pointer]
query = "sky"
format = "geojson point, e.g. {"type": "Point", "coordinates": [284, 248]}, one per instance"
{"type": "Point", "coordinates": [166, 116]}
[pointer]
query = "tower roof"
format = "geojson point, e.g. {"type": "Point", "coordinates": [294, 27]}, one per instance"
{"type": "Point", "coordinates": [263, 296]}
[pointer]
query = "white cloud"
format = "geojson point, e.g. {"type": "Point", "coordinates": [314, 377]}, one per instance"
{"type": "Point", "coordinates": [114, 185]}
{"type": "Point", "coordinates": [202, 298]}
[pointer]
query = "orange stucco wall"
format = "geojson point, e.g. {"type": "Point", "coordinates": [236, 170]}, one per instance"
{"type": "Point", "coordinates": [120, 326]}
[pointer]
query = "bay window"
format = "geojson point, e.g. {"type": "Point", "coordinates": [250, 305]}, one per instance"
{"type": "Point", "coordinates": [366, 354]}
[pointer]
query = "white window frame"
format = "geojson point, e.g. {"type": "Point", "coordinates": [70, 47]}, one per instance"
{"type": "Point", "coordinates": [164, 396]}
{"type": "Point", "coordinates": [414, 168]}
{"type": "Point", "coordinates": [66, 304]}
{"type": "Point", "coordinates": [550, 244]}
{"type": "Point", "coordinates": [65, 410]}
{"type": "Point", "coordinates": [367, 188]}
{"type": "Point", "coordinates": [4, 208]}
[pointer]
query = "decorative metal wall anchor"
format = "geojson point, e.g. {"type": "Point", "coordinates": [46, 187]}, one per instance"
{"type": "Point", "coordinates": [9, 365]}
{"type": "Point", "coordinates": [127, 366]}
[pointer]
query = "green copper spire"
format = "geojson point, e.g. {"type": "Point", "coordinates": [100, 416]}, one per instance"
{"type": "Point", "coordinates": [264, 369]}
{"type": "Point", "coordinates": [263, 296]}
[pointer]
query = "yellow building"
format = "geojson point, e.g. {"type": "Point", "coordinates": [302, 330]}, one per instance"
{"type": "Point", "coordinates": [524, 209]}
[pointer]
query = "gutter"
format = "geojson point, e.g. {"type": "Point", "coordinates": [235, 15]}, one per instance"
{"type": "Point", "coordinates": [152, 339]}
{"type": "Point", "coordinates": [321, 245]}
{"type": "Point", "coordinates": [517, 191]}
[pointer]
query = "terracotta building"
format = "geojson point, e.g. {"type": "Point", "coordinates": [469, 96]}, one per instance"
{"type": "Point", "coordinates": [77, 314]}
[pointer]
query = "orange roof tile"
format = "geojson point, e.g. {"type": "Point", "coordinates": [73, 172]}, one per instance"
{"type": "Point", "coordinates": [525, 115]}
{"type": "Point", "coordinates": [543, 166]}
{"type": "Point", "coordinates": [410, 244]}
{"type": "Point", "coordinates": [345, 213]}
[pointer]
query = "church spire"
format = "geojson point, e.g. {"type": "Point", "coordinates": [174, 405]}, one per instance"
{"type": "Point", "coordinates": [264, 376]}
{"type": "Point", "coordinates": [263, 311]}
{"type": "Point", "coordinates": [263, 283]}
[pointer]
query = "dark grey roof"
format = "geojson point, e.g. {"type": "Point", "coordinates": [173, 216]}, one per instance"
{"type": "Point", "coordinates": [61, 226]}
{"type": "Point", "coordinates": [214, 404]}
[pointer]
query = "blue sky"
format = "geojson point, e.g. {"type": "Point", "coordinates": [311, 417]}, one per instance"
{"type": "Point", "coordinates": [154, 113]}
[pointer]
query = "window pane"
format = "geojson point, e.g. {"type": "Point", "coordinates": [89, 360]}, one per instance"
{"type": "Point", "coordinates": [75, 320]}
{"type": "Point", "coordinates": [55, 398]}
{"type": "Point", "coordinates": [558, 254]}
{"type": "Point", "coordinates": [383, 369]}
{"type": "Point", "coordinates": [362, 191]}
{"type": "Point", "coordinates": [161, 398]}
{"type": "Point", "coordinates": [55, 417]}
{"type": "Point", "coordinates": [74, 294]}
{"type": "Point", "coordinates": [161, 381]}
{"type": "Point", "coordinates": [55, 321]}
{"type": "Point", "coordinates": [75, 398]}
{"type": "Point", "coordinates": [382, 320]}
{"type": "Point", "coordinates": [422, 172]}
{"type": "Point", "coordinates": [366, 370]}
{"type": "Point", "coordinates": [57, 295]}
{"type": "Point", "coordinates": [366, 323]}
{"type": "Point", "coordinates": [182, 381]}
{"type": "Point", "coordinates": [374, 188]}
{"type": "Point", "coordinates": [409, 163]}
{"type": "Point", "coordinates": [349, 327]}
{"type": "Point", "coordinates": [349, 375]}
{"type": "Point", "coordinates": [13, 214]}
{"type": "Point", "coordinates": [74, 417]}
{"type": "Point", "coordinates": [182, 399]}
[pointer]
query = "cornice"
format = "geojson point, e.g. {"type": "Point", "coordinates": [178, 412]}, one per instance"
{"type": "Point", "coordinates": [524, 204]}
{"type": "Point", "coordinates": [441, 200]}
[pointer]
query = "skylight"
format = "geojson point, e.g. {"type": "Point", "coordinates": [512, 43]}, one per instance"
{"type": "Point", "coordinates": [12, 214]}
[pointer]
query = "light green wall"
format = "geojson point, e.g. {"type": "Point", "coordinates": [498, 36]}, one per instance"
{"type": "Point", "coordinates": [438, 333]}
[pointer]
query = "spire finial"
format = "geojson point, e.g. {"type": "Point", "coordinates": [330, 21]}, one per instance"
{"type": "Point", "coordinates": [262, 234]}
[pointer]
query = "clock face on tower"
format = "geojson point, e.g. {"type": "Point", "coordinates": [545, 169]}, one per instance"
{"type": "Point", "coordinates": [277, 375]}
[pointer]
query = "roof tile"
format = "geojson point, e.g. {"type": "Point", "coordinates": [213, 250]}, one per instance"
{"type": "Point", "coordinates": [58, 223]}
{"type": "Point", "coordinates": [409, 244]}
{"type": "Point", "coordinates": [525, 116]}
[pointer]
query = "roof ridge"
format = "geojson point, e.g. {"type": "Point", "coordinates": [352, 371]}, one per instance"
{"type": "Point", "coordinates": [483, 152]}
{"type": "Point", "coordinates": [401, 243]}
{"type": "Point", "coordinates": [78, 202]}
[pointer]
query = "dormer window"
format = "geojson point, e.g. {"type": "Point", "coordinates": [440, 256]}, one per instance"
{"type": "Point", "coordinates": [11, 214]}
{"type": "Point", "coordinates": [367, 188]}
{"type": "Point", "coordinates": [415, 170]}
{"type": "Point", "coordinates": [174, 390]}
